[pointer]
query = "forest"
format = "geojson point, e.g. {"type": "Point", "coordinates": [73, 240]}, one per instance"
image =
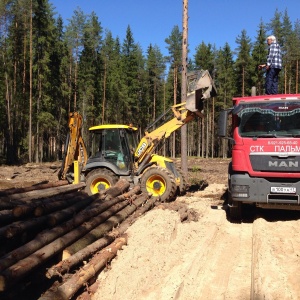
{"type": "Point", "coordinates": [49, 69]}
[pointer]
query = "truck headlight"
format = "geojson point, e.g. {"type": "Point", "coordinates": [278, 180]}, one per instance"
{"type": "Point", "coordinates": [240, 191]}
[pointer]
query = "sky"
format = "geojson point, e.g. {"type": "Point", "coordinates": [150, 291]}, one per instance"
{"type": "Point", "coordinates": [151, 21]}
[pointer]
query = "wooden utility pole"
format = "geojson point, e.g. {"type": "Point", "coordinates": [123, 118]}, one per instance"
{"type": "Point", "coordinates": [184, 164]}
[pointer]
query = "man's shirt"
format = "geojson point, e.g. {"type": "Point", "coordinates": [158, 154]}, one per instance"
{"type": "Point", "coordinates": [274, 59]}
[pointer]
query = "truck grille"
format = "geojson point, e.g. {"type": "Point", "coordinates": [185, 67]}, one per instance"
{"type": "Point", "coordinates": [270, 162]}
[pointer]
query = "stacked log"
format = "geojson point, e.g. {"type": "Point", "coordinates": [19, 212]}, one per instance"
{"type": "Point", "coordinates": [103, 228]}
{"type": "Point", "coordinates": [33, 187]}
{"type": "Point", "coordinates": [42, 225]}
{"type": "Point", "coordinates": [69, 263]}
{"type": "Point", "coordinates": [72, 285]}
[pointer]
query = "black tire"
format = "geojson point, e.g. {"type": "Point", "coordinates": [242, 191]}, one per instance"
{"type": "Point", "coordinates": [99, 179]}
{"type": "Point", "coordinates": [235, 209]}
{"type": "Point", "coordinates": [159, 182]}
{"type": "Point", "coordinates": [181, 190]}
{"type": "Point", "coordinates": [236, 212]}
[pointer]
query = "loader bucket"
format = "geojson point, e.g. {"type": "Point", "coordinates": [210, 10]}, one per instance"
{"type": "Point", "coordinates": [200, 87]}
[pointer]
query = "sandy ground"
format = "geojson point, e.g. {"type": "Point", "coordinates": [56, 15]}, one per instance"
{"type": "Point", "coordinates": [208, 258]}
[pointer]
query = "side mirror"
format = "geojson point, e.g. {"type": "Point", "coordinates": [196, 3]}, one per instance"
{"type": "Point", "coordinates": [222, 123]}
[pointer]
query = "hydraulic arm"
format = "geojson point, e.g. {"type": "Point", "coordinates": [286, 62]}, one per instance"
{"type": "Point", "coordinates": [75, 149]}
{"type": "Point", "coordinates": [200, 87]}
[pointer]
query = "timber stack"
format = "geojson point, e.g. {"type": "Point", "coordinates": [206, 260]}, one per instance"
{"type": "Point", "coordinates": [54, 240]}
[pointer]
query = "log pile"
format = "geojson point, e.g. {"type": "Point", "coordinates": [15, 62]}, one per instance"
{"type": "Point", "coordinates": [54, 230]}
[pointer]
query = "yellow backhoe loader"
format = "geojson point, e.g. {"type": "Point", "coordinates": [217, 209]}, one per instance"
{"type": "Point", "coordinates": [116, 153]}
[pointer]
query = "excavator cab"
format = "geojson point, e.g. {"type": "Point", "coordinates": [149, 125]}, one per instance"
{"type": "Point", "coordinates": [113, 144]}
{"type": "Point", "coordinates": [110, 156]}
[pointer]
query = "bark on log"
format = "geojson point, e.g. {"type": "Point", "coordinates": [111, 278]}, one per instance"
{"type": "Point", "coordinates": [41, 222]}
{"type": "Point", "coordinates": [37, 194]}
{"type": "Point", "coordinates": [33, 187]}
{"type": "Point", "coordinates": [74, 260]}
{"type": "Point", "coordinates": [182, 209]}
{"type": "Point", "coordinates": [78, 280]}
{"type": "Point", "coordinates": [102, 218]}
{"type": "Point", "coordinates": [23, 210]}
{"type": "Point", "coordinates": [119, 188]}
{"type": "Point", "coordinates": [58, 217]}
{"type": "Point", "coordinates": [49, 207]}
{"type": "Point", "coordinates": [6, 216]}
{"type": "Point", "coordinates": [91, 290]}
{"type": "Point", "coordinates": [9, 204]}
{"type": "Point", "coordinates": [19, 227]}
{"type": "Point", "coordinates": [16, 272]}
{"type": "Point", "coordinates": [50, 235]}
{"type": "Point", "coordinates": [102, 229]}
{"type": "Point", "coordinates": [29, 207]}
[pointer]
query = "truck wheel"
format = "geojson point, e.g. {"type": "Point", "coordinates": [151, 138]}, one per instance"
{"type": "Point", "coordinates": [181, 190]}
{"type": "Point", "coordinates": [235, 211]}
{"type": "Point", "coordinates": [159, 182]}
{"type": "Point", "coordinates": [99, 180]}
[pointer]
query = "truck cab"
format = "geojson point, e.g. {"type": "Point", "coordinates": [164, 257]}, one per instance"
{"type": "Point", "coordinates": [265, 148]}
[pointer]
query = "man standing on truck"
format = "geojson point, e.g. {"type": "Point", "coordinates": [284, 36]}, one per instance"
{"type": "Point", "coordinates": [273, 66]}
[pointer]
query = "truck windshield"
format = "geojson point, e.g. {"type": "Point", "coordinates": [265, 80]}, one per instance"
{"type": "Point", "coordinates": [272, 119]}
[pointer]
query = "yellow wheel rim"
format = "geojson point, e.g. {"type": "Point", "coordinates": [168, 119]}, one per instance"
{"type": "Point", "coordinates": [99, 184]}
{"type": "Point", "coordinates": [156, 185]}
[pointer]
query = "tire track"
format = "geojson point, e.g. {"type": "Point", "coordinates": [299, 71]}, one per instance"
{"type": "Point", "coordinates": [276, 258]}
{"type": "Point", "coordinates": [223, 270]}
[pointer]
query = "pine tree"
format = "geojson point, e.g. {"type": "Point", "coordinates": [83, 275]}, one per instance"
{"type": "Point", "coordinates": [225, 77]}
{"type": "Point", "coordinates": [296, 46]}
{"type": "Point", "coordinates": [288, 41]}
{"type": "Point", "coordinates": [59, 88]}
{"type": "Point", "coordinates": [275, 27]}
{"type": "Point", "coordinates": [226, 86]}
{"type": "Point", "coordinates": [117, 90]}
{"type": "Point", "coordinates": [107, 58]}
{"type": "Point", "coordinates": [5, 142]}
{"type": "Point", "coordinates": [43, 35]}
{"type": "Point", "coordinates": [90, 71]}
{"type": "Point", "coordinates": [14, 50]}
{"type": "Point", "coordinates": [174, 58]}
{"type": "Point", "coordinates": [259, 56]}
{"type": "Point", "coordinates": [243, 64]}
{"type": "Point", "coordinates": [204, 57]}
{"type": "Point", "coordinates": [155, 67]}
{"type": "Point", "coordinates": [132, 77]}
{"type": "Point", "coordinates": [174, 46]}
{"type": "Point", "coordinates": [74, 36]}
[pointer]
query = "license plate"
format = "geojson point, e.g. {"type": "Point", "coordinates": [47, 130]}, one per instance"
{"type": "Point", "coordinates": [283, 190]}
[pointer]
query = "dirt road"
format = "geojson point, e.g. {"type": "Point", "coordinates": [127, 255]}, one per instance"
{"type": "Point", "coordinates": [211, 258]}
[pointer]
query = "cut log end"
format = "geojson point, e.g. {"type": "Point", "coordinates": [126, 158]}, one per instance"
{"type": "Point", "coordinates": [66, 254]}
{"type": "Point", "coordinates": [2, 283]}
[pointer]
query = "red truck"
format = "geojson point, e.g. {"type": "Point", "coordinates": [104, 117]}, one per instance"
{"type": "Point", "coordinates": [265, 146]}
